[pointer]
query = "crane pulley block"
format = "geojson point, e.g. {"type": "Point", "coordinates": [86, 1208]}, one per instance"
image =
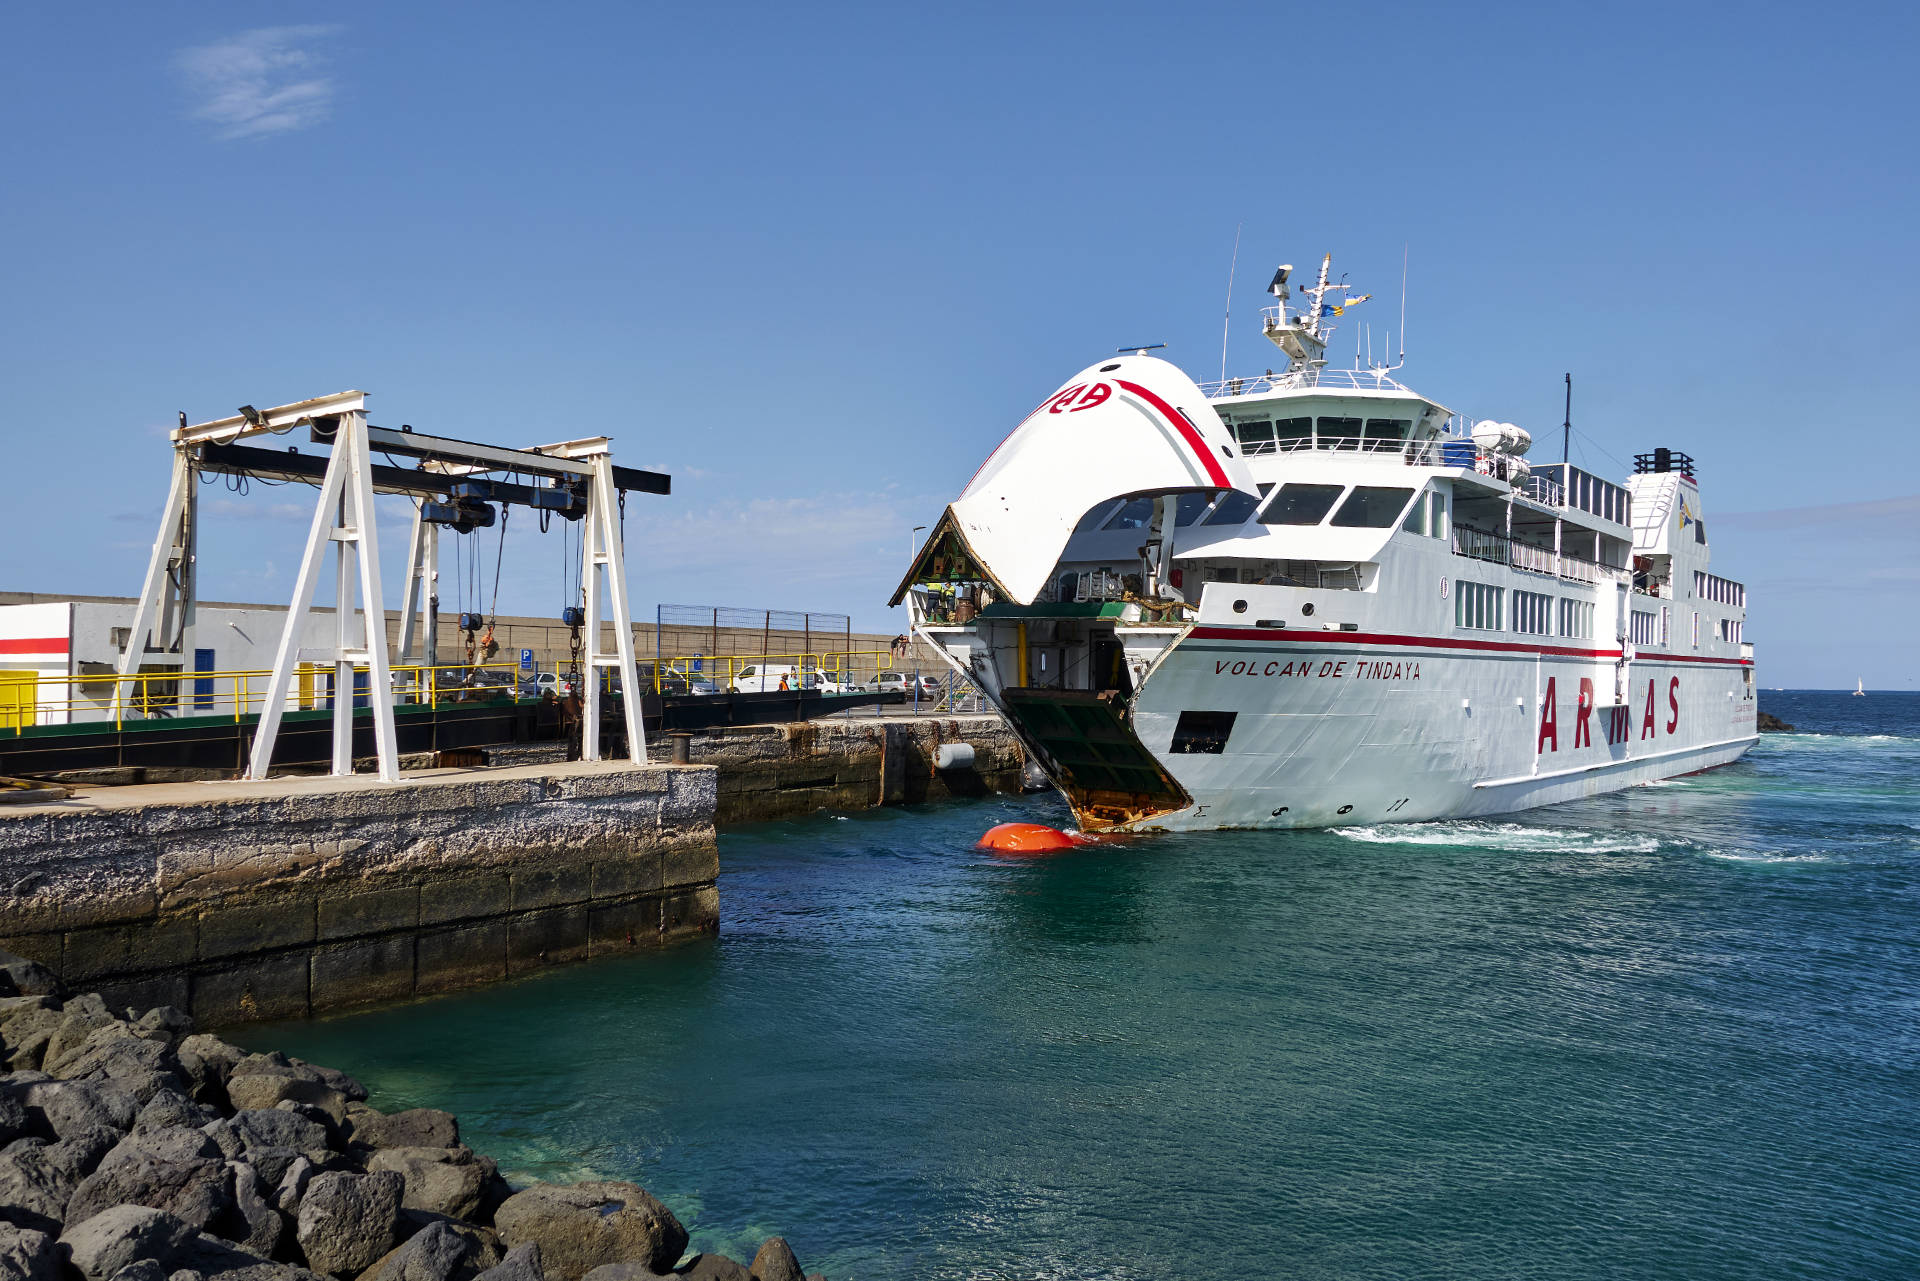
{"type": "Point", "coordinates": [463, 514]}
{"type": "Point", "coordinates": [569, 499]}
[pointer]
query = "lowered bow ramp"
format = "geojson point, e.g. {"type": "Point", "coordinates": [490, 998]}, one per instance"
{"type": "Point", "coordinates": [1109, 776]}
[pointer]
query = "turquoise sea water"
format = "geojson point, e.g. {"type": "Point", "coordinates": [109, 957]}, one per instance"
{"type": "Point", "coordinates": [1667, 1033]}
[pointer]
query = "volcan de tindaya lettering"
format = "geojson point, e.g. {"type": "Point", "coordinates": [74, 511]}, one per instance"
{"type": "Point", "coordinates": [1316, 597]}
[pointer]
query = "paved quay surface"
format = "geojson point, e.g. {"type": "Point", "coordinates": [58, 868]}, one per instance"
{"type": "Point", "coordinates": [94, 796]}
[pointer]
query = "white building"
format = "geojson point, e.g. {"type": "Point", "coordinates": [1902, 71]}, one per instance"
{"type": "Point", "coordinates": [58, 660]}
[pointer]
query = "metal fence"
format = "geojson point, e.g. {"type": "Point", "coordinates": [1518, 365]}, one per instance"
{"type": "Point", "coordinates": [732, 630]}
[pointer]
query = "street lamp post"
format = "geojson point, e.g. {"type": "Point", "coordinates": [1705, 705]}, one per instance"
{"type": "Point", "coordinates": [913, 549]}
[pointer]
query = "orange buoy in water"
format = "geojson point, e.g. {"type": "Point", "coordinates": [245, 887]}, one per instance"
{"type": "Point", "coordinates": [1025, 838]}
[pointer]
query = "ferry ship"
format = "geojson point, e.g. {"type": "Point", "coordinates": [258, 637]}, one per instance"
{"type": "Point", "coordinates": [1316, 598]}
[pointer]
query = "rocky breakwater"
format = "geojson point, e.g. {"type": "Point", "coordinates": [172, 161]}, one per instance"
{"type": "Point", "coordinates": [133, 1148]}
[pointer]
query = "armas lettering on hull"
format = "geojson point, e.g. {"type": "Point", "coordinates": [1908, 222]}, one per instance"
{"type": "Point", "coordinates": [1619, 725]}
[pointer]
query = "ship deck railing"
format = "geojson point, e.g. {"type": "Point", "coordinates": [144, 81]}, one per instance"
{"type": "Point", "coordinates": [1303, 380]}
{"type": "Point", "coordinates": [1498, 549]}
{"type": "Point", "coordinates": [1384, 449]}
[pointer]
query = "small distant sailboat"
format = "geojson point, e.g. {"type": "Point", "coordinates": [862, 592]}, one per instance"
{"type": "Point", "coordinates": [1860, 689]}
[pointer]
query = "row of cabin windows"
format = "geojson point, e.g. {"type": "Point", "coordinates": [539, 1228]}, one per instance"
{"type": "Point", "coordinates": [1722, 590]}
{"type": "Point", "coordinates": [1284, 435]}
{"type": "Point", "coordinates": [1730, 630]}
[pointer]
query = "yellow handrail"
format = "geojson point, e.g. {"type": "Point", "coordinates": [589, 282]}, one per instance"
{"type": "Point", "coordinates": [175, 692]}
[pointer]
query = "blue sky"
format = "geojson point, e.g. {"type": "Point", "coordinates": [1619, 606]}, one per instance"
{"type": "Point", "coordinates": [817, 261]}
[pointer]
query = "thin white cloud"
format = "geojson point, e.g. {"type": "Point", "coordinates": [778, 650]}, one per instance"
{"type": "Point", "coordinates": [1873, 515]}
{"type": "Point", "coordinates": [260, 82]}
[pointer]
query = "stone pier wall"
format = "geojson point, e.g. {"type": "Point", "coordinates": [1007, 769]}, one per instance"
{"type": "Point", "coordinates": [783, 771]}
{"type": "Point", "coordinates": [241, 901]}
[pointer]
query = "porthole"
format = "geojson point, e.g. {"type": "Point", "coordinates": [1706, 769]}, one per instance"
{"type": "Point", "coordinates": [1239, 607]}
{"type": "Point", "coordinates": [1307, 609]}
{"type": "Point", "coordinates": [1107, 369]}
{"type": "Point", "coordinates": [1344, 809]}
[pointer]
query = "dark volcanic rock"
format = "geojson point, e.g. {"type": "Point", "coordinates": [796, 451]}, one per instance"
{"type": "Point", "coordinates": [414, 1128]}
{"type": "Point", "coordinates": [715, 1267]}
{"type": "Point", "coordinates": [38, 1179]}
{"type": "Point", "coordinates": [264, 1090]}
{"type": "Point", "coordinates": [27, 1255]}
{"type": "Point", "coordinates": [56, 1109]}
{"type": "Point", "coordinates": [21, 977]}
{"type": "Point", "coordinates": [521, 1264]}
{"type": "Point", "coordinates": [446, 1181]}
{"type": "Point", "coordinates": [170, 1108]}
{"type": "Point", "coordinates": [270, 1140]}
{"type": "Point", "coordinates": [349, 1221]}
{"type": "Point", "coordinates": [163, 1023]}
{"type": "Point", "coordinates": [775, 1262]}
{"type": "Point", "coordinates": [127, 1060]}
{"type": "Point", "coordinates": [109, 1241]}
{"type": "Point", "coordinates": [626, 1272]}
{"type": "Point", "coordinates": [178, 1171]}
{"type": "Point", "coordinates": [252, 1220]}
{"type": "Point", "coordinates": [1768, 723]}
{"type": "Point", "coordinates": [581, 1226]}
{"type": "Point", "coordinates": [443, 1250]}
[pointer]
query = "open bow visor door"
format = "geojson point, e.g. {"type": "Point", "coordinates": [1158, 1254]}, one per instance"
{"type": "Point", "coordinates": [1127, 427]}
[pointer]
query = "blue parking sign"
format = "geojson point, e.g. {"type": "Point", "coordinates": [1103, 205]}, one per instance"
{"type": "Point", "coordinates": [526, 660]}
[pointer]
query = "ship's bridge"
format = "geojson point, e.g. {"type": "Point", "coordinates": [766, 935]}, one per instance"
{"type": "Point", "coordinates": [1338, 410]}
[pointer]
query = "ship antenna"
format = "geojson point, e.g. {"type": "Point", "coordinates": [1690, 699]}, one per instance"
{"type": "Point", "coordinates": [1228, 318]}
{"type": "Point", "coordinates": [1566, 429]}
{"type": "Point", "coordinates": [1403, 304]}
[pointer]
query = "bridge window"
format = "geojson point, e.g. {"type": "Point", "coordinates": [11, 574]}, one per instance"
{"type": "Point", "coordinates": [1301, 504]}
{"type": "Point", "coordinates": [1255, 437]}
{"type": "Point", "coordinates": [1136, 513]}
{"type": "Point", "coordinates": [1290, 434]}
{"type": "Point", "coordinates": [1387, 433]}
{"type": "Point", "coordinates": [1341, 433]}
{"type": "Point", "coordinates": [1372, 507]}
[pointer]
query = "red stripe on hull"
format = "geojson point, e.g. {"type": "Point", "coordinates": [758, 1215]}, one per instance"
{"type": "Point", "coordinates": [1437, 642]}
{"type": "Point", "coordinates": [1186, 429]}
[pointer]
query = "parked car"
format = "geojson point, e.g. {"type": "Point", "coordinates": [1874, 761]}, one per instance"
{"type": "Point", "coordinates": [824, 684]}
{"type": "Point", "coordinates": [904, 682]}
{"type": "Point", "coordinates": [553, 683]}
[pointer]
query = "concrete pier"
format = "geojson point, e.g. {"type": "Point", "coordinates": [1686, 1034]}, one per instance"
{"type": "Point", "coordinates": [241, 901]}
{"type": "Point", "coordinates": [238, 901]}
{"type": "Point", "coordinates": [852, 763]}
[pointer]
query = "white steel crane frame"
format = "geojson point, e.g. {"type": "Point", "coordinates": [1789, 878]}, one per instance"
{"type": "Point", "coordinates": [343, 515]}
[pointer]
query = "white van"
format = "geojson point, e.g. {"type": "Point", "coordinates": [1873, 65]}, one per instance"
{"type": "Point", "coordinates": [765, 678]}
